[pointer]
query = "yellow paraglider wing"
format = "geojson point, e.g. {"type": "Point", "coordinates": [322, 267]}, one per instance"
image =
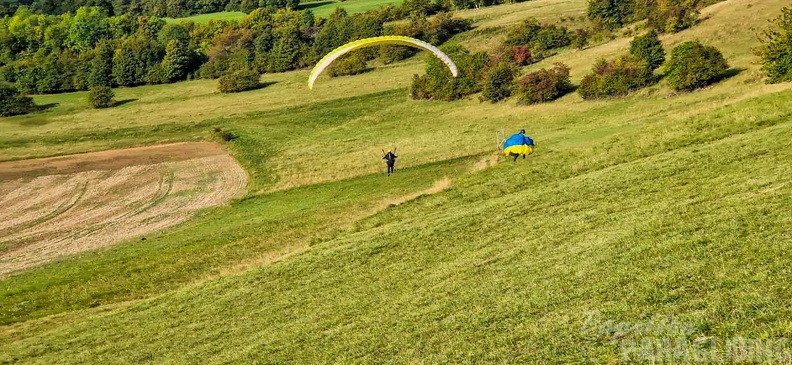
{"type": "Point", "coordinates": [376, 41]}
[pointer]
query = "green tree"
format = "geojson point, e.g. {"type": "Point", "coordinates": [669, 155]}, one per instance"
{"type": "Point", "coordinates": [647, 48]}
{"type": "Point", "coordinates": [693, 65]}
{"type": "Point", "coordinates": [150, 26]}
{"type": "Point", "coordinates": [12, 102]}
{"type": "Point", "coordinates": [125, 65]}
{"type": "Point", "coordinates": [173, 31]}
{"type": "Point", "coordinates": [176, 62]}
{"type": "Point", "coordinates": [776, 49]}
{"type": "Point", "coordinates": [82, 72]}
{"type": "Point", "coordinates": [438, 84]}
{"type": "Point", "coordinates": [101, 97]}
{"type": "Point", "coordinates": [611, 14]}
{"type": "Point", "coordinates": [51, 75]}
{"type": "Point", "coordinates": [88, 27]}
{"type": "Point", "coordinates": [55, 35]}
{"type": "Point", "coordinates": [102, 65]}
{"type": "Point", "coordinates": [176, 8]}
{"type": "Point", "coordinates": [498, 82]}
{"type": "Point", "coordinates": [285, 52]}
{"type": "Point", "coordinates": [122, 26]}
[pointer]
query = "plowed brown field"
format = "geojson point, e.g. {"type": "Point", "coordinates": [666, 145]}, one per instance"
{"type": "Point", "coordinates": [63, 205]}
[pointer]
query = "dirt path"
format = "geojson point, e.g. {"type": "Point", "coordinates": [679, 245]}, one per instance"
{"type": "Point", "coordinates": [60, 206]}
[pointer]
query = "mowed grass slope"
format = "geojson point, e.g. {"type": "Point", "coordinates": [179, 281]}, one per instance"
{"type": "Point", "coordinates": [650, 205]}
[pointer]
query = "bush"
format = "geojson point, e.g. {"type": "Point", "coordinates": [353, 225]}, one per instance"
{"type": "Point", "coordinates": [101, 97]}
{"type": "Point", "coordinates": [538, 37]}
{"type": "Point", "coordinates": [580, 39]}
{"type": "Point", "coordinates": [610, 14]}
{"type": "Point", "coordinates": [438, 84]}
{"type": "Point", "coordinates": [12, 102]}
{"type": "Point", "coordinates": [239, 81]}
{"type": "Point", "coordinates": [648, 49]}
{"type": "Point", "coordinates": [693, 65]}
{"type": "Point", "coordinates": [521, 55]}
{"type": "Point", "coordinates": [615, 78]}
{"type": "Point", "coordinates": [671, 16]}
{"type": "Point", "coordinates": [498, 82]}
{"type": "Point", "coordinates": [776, 50]}
{"type": "Point", "coordinates": [349, 64]}
{"type": "Point", "coordinates": [551, 37]}
{"type": "Point", "coordinates": [544, 85]}
{"type": "Point", "coordinates": [390, 53]}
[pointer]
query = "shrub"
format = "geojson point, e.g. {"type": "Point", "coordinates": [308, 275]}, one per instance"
{"type": "Point", "coordinates": [648, 49]}
{"type": "Point", "coordinates": [239, 81]}
{"type": "Point", "coordinates": [551, 37]}
{"type": "Point", "coordinates": [671, 16]}
{"type": "Point", "coordinates": [101, 97]}
{"type": "Point", "coordinates": [498, 82]}
{"type": "Point", "coordinates": [443, 26]}
{"type": "Point", "coordinates": [350, 64]}
{"type": "Point", "coordinates": [615, 78]}
{"type": "Point", "coordinates": [521, 55]}
{"type": "Point", "coordinates": [538, 37]}
{"type": "Point", "coordinates": [693, 65]}
{"type": "Point", "coordinates": [610, 14]}
{"type": "Point", "coordinates": [544, 85]}
{"type": "Point", "coordinates": [580, 39]}
{"type": "Point", "coordinates": [12, 102]}
{"type": "Point", "coordinates": [776, 49]}
{"type": "Point", "coordinates": [438, 84]}
{"type": "Point", "coordinates": [390, 53]}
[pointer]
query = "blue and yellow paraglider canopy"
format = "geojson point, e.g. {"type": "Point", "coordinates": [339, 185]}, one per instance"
{"type": "Point", "coordinates": [518, 144]}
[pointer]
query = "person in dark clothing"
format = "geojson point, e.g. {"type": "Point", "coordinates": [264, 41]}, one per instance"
{"type": "Point", "coordinates": [390, 159]}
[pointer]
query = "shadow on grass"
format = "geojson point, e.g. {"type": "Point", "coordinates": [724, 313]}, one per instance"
{"type": "Point", "coordinates": [34, 122]}
{"type": "Point", "coordinates": [262, 85]}
{"type": "Point", "coordinates": [315, 4]}
{"type": "Point", "coordinates": [44, 107]}
{"type": "Point", "coordinates": [734, 71]}
{"type": "Point", "coordinates": [122, 102]}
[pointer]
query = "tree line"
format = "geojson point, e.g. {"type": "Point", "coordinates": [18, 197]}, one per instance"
{"type": "Point", "coordinates": [159, 8]}
{"type": "Point", "coordinates": [182, 8]}
{"type": "Point", "coordinates": [57, 53]}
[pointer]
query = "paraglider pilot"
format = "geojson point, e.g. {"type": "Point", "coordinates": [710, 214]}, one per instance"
{"type": "Point", "coordinates": [518, 144]}
{"type": "Point", "coordinates": [390, 159]}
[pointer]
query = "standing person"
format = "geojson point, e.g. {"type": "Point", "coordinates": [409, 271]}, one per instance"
{"type": "Point", "coordinates": [390, 159]}
{"type": "Point", "coordinates": [518, 144]}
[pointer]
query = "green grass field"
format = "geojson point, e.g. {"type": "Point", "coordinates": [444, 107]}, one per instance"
{"type": "Point", "coordinates": [651, 205]}
{"type": "Point", "coordinates": [319, 8]}
{"type": "Point", "coordinates": [325, 8]}
{"type": "Point", "coordinates": [206, 18]}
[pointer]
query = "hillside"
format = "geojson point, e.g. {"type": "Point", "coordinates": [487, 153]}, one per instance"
{"type": "Point", "coordinates": [656, 204]}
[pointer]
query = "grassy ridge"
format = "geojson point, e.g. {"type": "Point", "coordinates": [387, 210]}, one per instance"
{"type": "Point", "coordinates": [652, 204]}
